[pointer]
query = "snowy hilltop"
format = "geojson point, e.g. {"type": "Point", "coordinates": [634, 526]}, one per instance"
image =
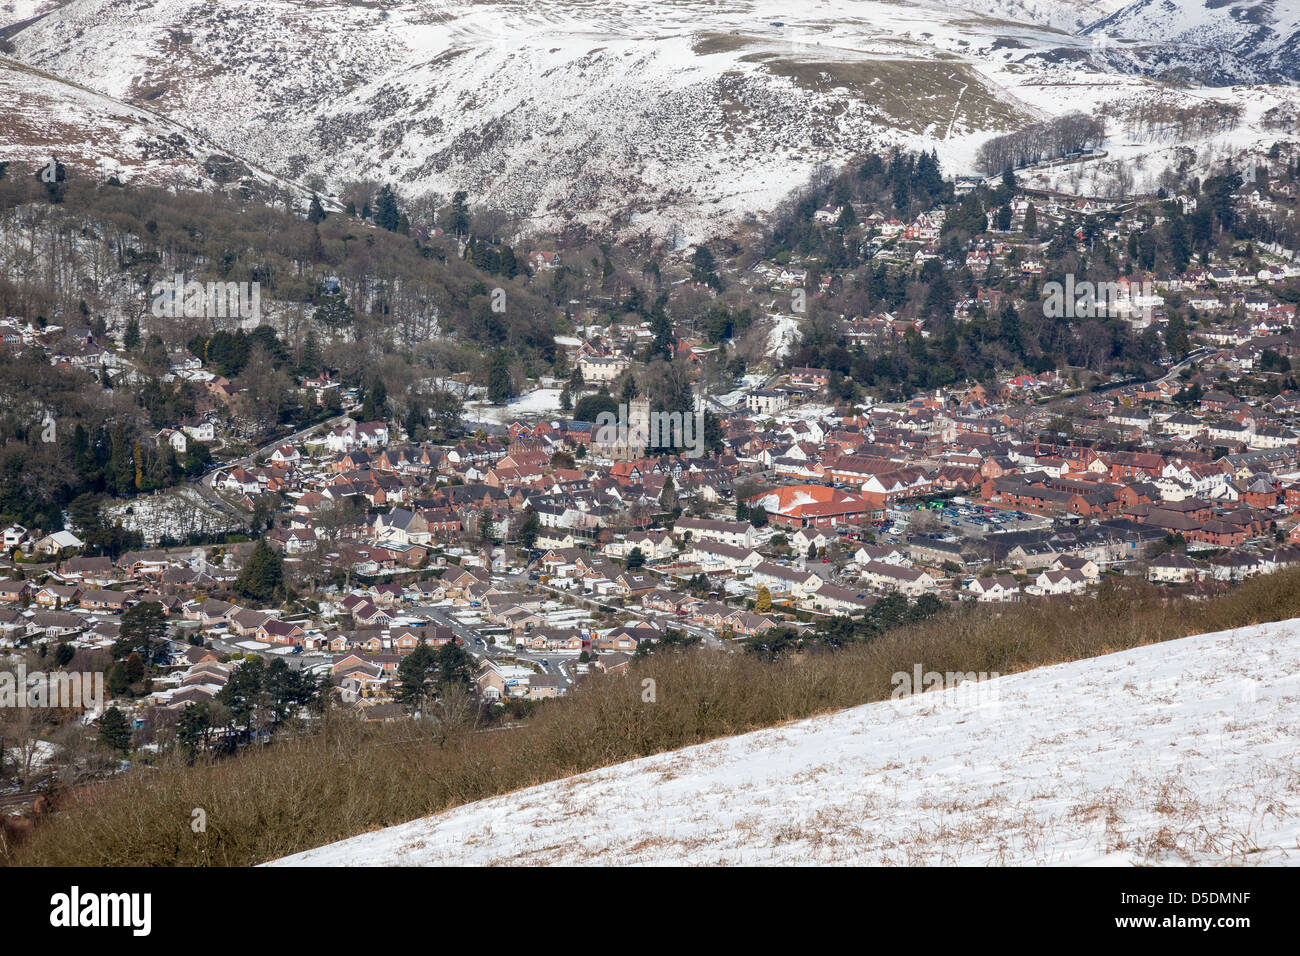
{"type": "Point", "coordinates": [642, 118]}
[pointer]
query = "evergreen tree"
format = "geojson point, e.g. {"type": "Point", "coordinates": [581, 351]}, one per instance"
{"type": "Point", "coordinates": [334, 312]}
{"type": "Point", "coordinates": [939, 298]}
{"type": "Point", "coordinates": [661, 327]}
{"type": "Point", "coordinates": [425, 675]}
{"type": "Point", "coordinates": [315, 212]}
{"type": "Point", "coordinates": [416, 675]}
{"type": "Point", "coordinates": [1180, 248]}
{"type": "Point", "coordinates": [1176, 338]}
{"type": "Point", "coordinates": [131, 335]}
{"type": "Point", "coordinates": [242, 693]}
{"type": "Point", "coordinates": [414, 422]}
{"type": "Point", "coordinates": [142, 631]}
{"type": "Point", "coordinates": [311, 353]}
{"type": "Point", "coordinates": [115, 731]}
{"type": "Point", "coordinates": [193, 727]}
{"type": "Point", "coordinates": [456, 216]}
{"type": "Point", "coordinates": [387, 215]}
{"type": "Point", "coordinates": [287, 690]}
{"type": "Point", "coordinates": [262, 577]}
{"type": "Point", "coordinates": [668, 497]}
{"type": "Point", "coordinates": [500, 387]}
{"type": "Point", "coordinates": [455, 667]}
{"type": "Point", "coordinates": [530, 529]}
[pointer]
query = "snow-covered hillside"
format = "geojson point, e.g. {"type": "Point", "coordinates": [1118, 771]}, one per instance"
{"type": "Point", "coordinates": [1172, 753]}
{"type": "Point", "coordinates": [645, 116]}
{"type": "Point", "coordinates": [44, 116]}
{"type": "Point", "coordinates": [1068, 15]}
{"type": "Point", "coordinates": [16, 11]}
{"type": "Point", "coordinates": [1214, 41]}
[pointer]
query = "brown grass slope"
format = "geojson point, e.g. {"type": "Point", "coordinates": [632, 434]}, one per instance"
{"type": "Point", "coordinates": [319, 788]}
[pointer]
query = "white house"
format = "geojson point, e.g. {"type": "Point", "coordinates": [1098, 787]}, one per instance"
{"type": "Point", "coordinates": [201, 431]}
{"type": "Point", "coordinates": [779, 578]}
{"type": "Point", "coordinates": [891, 577]}
{"type": "Point", "coordinates": [738, 534]}
{"type": "Point", "coordinates": [1172, 567]}
{"type": "Point", "coordinates": [1060, 582]}
{"type": "Point", "coordinates": [997, 588]}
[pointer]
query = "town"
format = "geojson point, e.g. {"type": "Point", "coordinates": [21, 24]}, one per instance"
{"type": "Point", "coordinates": [891, 422]}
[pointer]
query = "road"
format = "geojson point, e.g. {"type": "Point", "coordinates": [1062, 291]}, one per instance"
{"type": "Point", "coordinates": [1192, 356]}
{"type": "Point", "coordinates": [559, 664]}
{"type": "Point", "coordinates": [209, 493]}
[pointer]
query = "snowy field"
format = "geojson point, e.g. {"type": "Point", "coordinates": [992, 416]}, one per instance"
{"type": "Point", "coordinates": [784, 335]}
{"type": "Point", "coordinates": [539, 403]}
{"type": "Point", "coordinates": [1176, 753]}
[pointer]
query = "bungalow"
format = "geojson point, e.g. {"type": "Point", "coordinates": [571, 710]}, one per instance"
{"type": "Point", "coordinates": [57, 596]}
{"type": "Point", "coordinates": [54, 623]}
{"type": "Point", "coordinates": [281, 632]}
{"type": "Point", "coordinates": [93, 571]}
{"type": "Point", "coordinates": [668, 602]}
{"type": "Point", "coordinates": [555, 639]}
{"type": "Point", "coordinates": [838, 600]}
{"type": "Point", "coordinates": [106, 600]}
{"type": "Point", "coordinates": [58, 541]}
